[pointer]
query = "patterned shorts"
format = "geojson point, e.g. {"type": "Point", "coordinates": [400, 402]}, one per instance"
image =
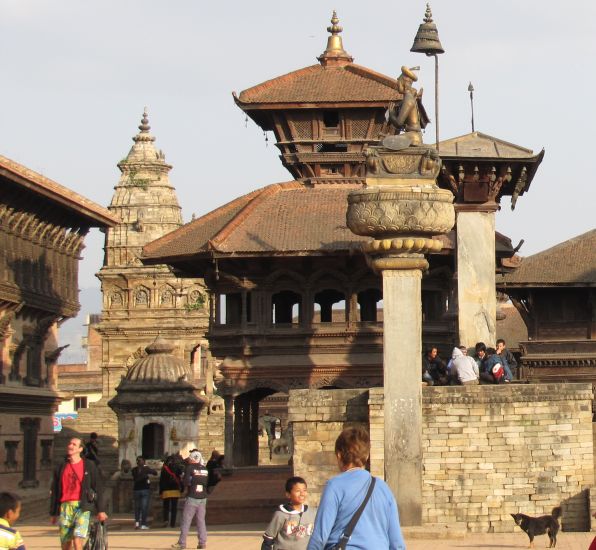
{"type": "Point", "coordinates": [73, 522]}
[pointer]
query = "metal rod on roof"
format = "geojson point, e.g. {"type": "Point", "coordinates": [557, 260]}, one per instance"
{"type": "Point", "coordinates": [471, 90]}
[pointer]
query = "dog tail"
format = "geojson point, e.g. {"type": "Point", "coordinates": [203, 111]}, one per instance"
{"type": "Point", "coordinates": [556, 513]}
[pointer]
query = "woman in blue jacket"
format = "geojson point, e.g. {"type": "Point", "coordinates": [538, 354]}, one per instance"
{"type": "Point", "coordinates": [378, 526]}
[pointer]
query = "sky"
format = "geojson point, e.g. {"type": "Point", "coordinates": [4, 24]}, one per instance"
{"type": "Point", "coordinates": [77, 75]}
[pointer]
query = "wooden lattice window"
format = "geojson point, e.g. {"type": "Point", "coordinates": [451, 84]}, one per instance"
{"type": "Point", "coordinates": [11, 454]}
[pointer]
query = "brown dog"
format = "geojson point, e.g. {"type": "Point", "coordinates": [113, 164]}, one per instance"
{"type": "Point", "coordinates": [539, 526]}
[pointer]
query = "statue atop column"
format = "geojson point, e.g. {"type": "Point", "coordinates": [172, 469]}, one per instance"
{"type": "Point", "coordinates": [405, 115]}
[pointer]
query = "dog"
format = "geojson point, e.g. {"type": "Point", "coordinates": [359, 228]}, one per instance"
{"type": "Point", "coordinates": [539, 526]}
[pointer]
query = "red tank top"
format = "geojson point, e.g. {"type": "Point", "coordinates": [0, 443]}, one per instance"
{"type": "Point", "coordinates": [72, 481]}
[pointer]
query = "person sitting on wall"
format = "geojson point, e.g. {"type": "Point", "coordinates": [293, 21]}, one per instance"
{"type": "Point", "coordinates": [464, 369]}
{"type": "Point", "coordinates": [495, 371]}
{"type": "Point", "coordinates": [433, 364]}
{"type": "Point", "coordinates": [507, 357]}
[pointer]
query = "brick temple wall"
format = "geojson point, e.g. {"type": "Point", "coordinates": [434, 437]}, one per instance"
{"type": "Point", "coordinates": [489, 451]}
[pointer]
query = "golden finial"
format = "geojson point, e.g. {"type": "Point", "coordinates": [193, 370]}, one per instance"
{"type": "Point", "coordinates": [335, 28]}
{"type": "Point", "coordinates": [335, 55]}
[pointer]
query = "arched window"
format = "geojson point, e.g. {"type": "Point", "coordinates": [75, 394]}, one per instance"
{"type": "Point", "coordinates": [285, 308]}
{"type": "Point", "coordinates": [331, 303]}
{"type": "Point", "coordinates": [368, 304]}
{"type": "Point", "coordinates": [153, 440]}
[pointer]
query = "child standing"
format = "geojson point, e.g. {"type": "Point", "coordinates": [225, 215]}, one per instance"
{"type": "Point", "coordinates": [10, 510]}
{"type": "Point", "coordinates": [291, 525]}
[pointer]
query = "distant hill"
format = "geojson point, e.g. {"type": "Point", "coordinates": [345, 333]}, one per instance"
{"type": "Point", "coordinates": [74, 330]}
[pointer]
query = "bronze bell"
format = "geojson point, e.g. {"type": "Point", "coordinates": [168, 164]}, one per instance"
{"type": "Point", "coordinates": [427, 38]}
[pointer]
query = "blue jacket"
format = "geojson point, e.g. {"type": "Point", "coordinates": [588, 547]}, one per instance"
{"type": "Point", "coordinates": [377, 528]}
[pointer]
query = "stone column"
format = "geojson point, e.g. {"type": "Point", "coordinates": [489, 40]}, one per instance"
{"type": "Point", "coordinates": [402, 357]}
{"type": "Point", "coordinates": [229, 430]}
{"type": "Point", "coordinates": [477, 299]}
{"type": "Point", "coordinates": [402, 208]}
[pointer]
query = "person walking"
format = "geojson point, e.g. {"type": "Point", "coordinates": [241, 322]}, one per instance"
{"type": "Point", "coordinates": [378, 526]}
{"type": "Point", "coordinates": [141, 491]}
{"type": "Point", "coordinates": [195, 482]}
{"type": "Point", "coordinates": [76, 491]}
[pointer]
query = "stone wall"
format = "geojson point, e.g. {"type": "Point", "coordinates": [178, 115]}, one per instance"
{"type": "Point", "coordinates": [318, 416]}
{"type": "Point", "coordinates": [211, 427]}
{"type": "Point", "coordinates": [489, 451]}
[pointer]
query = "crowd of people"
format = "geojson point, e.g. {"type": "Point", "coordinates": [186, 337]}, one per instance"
{"type": "Point", "coordinates": [487, 366]}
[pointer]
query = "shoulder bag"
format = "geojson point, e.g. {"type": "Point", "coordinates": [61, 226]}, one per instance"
{"type": "Point", "coordinates": [345, 537]}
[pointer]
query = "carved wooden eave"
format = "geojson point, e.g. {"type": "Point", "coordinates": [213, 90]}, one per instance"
{"type": "Point", "coordinates": [479, 168]}
{"type": "Point", "coordinates": [87, 212]}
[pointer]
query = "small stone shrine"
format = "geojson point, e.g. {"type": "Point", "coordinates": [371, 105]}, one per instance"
{"type": "Point", "coordinates": [157, 406]}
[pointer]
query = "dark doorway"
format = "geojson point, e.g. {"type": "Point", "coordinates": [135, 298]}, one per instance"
{"type": "Point", "coordinates": [246, 426]}
{"type": "Point", "coordinates": [153, 440]}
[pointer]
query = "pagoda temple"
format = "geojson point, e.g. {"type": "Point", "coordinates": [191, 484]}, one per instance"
{"type": "Point", "coordinates": [295, 303]}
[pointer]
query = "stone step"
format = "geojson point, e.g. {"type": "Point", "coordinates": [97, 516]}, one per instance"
{"type": "Point", "coordinates": [249, 494]}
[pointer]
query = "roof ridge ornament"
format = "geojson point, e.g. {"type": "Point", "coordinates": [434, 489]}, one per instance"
{"type": "Point", "coordinates": [335, 55]}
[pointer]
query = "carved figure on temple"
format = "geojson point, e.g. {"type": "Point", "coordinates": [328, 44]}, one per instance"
{"type": "Point", "coordinates": [404, 115]}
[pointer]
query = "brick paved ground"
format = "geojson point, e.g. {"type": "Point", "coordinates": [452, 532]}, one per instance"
{"type": "Point", "coordinates": [247, 537]}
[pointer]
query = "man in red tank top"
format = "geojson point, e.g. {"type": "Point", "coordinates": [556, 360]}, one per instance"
{"type": "Point", "coordinates": [76, 491]}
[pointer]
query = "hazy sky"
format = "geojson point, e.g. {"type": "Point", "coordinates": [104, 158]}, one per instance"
{"type": "Point", "coordinates": [76, 76]}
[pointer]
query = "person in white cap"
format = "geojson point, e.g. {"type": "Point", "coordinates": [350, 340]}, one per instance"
{"type": "Point", "coordinates": [195, 483]}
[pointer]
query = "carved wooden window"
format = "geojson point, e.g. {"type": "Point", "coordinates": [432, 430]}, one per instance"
{"type": "Point", "coordinates": [360, 125]}
{"type": "Point", "coordinates": [368, 304]}
{"type": "Point", "coordinates": [33, 363]}
{"type": "Point", "coordinates": [11, 454]}
{"type": "Point", "coordinates": [46, 452]}
{"type": "Point", "coordinates": [331, 305]}
{"type": "Point", "coordinates": [285, 308]}
{"type": "Point", "coordinates": [30, 429]}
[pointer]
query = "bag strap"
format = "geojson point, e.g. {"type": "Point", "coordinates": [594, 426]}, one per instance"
{"type": "Point", "coordinates": [345, 537]}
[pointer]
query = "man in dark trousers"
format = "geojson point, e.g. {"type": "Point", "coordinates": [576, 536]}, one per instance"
{"type": "Point", "coordinates": [77, 490]}
{"type": "Point", "coordinates": [141, 491]}
{"type": "Point", "coordinates": [195, 482]}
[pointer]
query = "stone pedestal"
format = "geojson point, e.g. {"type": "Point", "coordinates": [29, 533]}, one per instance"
{"type": "Point", "coordinates": [402, 208]}
{"type": "Point", "coordinates": [477, 297]}
{"type": "Point", "coordinates": [402, 356]}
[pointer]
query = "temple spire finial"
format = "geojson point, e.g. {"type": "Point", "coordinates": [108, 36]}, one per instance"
{"type": "Point", "coordinates": [335, 55]}
{"type": "Point", "coordinates": [144, 128]}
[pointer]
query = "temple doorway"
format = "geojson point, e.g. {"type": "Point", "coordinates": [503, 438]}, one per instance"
{"type": "Point", "coordinates": [153, 441]}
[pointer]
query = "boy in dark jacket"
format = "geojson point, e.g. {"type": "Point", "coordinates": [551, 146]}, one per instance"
{"type": "Point", "coordinates": [76, 491]}
{"type": "Point", "coordinates": [195, 482]}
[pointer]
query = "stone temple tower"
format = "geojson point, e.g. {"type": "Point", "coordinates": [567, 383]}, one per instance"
{"type": "Point", "coordinates": [141, 302]}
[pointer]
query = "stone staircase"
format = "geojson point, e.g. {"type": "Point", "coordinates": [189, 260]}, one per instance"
{"type": "Point", "coordinates": [248, 495]}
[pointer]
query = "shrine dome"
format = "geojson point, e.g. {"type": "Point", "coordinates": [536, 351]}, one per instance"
{"type": "Point", "coordinates": [158, 367]}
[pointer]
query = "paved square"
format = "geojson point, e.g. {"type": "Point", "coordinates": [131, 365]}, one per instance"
{"type": "Point", "coordinates": [39, 536]}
